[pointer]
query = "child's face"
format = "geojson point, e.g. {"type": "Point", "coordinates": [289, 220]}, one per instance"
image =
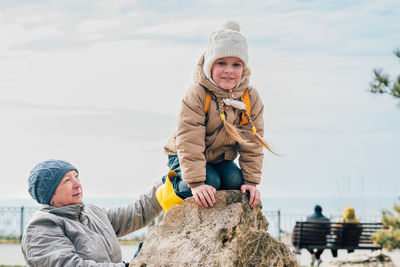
{"type": "Point", "coordinates": [227, 72]}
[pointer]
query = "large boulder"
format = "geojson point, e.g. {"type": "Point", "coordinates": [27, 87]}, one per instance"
{"type": "Point", "coordinates": [360, 259]}
{"type": "Point", "coordinates": [229, 234]}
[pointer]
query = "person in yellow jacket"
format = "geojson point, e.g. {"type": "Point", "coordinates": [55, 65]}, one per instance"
{"type": "Point", "coordinates": [215, 126]}
{"type": "Point", "coordinates": [348, 216]}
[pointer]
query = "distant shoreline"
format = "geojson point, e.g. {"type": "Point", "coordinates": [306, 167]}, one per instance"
{"type": "Point", "coordinates": [287, 205]}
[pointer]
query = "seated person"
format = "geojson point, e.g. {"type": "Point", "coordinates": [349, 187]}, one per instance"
{"type": "Point", "coordinates": [351, 232]}
{"type": "Point", "coordinates": [67, 232]}
{"type": "Point", "coordinates": [316, 216]}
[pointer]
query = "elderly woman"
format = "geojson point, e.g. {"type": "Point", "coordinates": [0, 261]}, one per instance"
{"type": "Point", "coordinates": [66, 232]}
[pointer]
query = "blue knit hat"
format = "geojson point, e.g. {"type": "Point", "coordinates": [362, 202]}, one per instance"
{"type": "Point", "coordinates": [45, 177]}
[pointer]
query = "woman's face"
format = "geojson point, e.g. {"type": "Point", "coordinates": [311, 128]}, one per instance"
{"type": "Point", "coordinates": [68, 191]}
{"type": "Point", "coordinates": [227, 72]}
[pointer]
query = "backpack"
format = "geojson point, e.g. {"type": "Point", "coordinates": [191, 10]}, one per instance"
{"type": "Point", "coordinates": [245, 99]}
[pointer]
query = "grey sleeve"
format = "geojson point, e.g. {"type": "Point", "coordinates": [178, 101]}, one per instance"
{"type": "Point", "coordinates": [48, 246]}
{"type": "Point", "coordinates": [136, 215]}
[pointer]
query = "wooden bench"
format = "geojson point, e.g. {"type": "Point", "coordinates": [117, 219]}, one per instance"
{"type": "Point", "coordinates": [333, 235]}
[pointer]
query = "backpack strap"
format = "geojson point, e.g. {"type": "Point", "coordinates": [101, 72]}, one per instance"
{"type": "Point", "coordinates": [245, 100]}
{"type": "Point", "coordinates": [207, 103]}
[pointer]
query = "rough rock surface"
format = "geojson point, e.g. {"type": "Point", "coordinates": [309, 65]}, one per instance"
{"type": "Point", "coordinates": [359, 259]}
{"type": "Point", "coordinates": [229, 234]}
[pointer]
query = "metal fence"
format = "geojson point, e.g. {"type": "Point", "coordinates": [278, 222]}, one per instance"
{"type": "Point", "coordinates": [13, 221]}
{"type": "Point", "coordinates": [274, 222]}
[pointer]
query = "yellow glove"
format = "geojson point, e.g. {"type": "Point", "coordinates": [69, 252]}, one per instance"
{"type": "Point", "coordinates": [166, 195]}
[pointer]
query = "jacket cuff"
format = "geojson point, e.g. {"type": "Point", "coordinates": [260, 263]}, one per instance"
{"type": "Point", "coordinates": [250, 183]}
{"type": "Point", "coordinates": [193, 185]}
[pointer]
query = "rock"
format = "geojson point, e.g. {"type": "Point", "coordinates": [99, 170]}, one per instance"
{"type": "Point", "coordinates": [229, 234]}
{"type": "Point", "coordinates": [359, 259]}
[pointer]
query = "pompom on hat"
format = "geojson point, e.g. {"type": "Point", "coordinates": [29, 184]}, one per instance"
{"type": "Point", "coordinates": [225, 42]}
{"type": "Point", "coordinates": [45, 177]}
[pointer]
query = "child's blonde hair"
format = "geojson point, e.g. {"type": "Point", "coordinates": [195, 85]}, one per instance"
{"type": "Point", "coordinates": [234, 131]}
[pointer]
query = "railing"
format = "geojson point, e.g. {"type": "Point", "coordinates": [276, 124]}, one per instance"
{"type": "Point", "coordinates": [274, 222]}
{"type": "Point", "coordinates": [13, 221]}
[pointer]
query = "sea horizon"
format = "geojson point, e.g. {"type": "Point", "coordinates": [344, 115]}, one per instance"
{"type": "Point", "coordinates": [281, 212]}
{"type": "Point", "coordinates": [332, 206]}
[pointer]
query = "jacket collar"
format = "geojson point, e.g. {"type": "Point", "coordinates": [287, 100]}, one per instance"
{"type": "Point", "coordinates": [200, 77]}
{"type": "Point", "coordinates": [72, 211]}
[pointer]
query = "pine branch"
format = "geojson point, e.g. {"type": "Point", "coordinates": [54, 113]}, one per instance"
{"type": "Point", "coordinates": [397, 53]}
{"type": "Point", "coordinates": [382, 84]}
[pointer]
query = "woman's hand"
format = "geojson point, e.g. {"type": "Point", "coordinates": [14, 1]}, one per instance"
{"type": "Point", "coordinates": [204, 195]}
{"type": "Point", "coordinates": [255, 195]}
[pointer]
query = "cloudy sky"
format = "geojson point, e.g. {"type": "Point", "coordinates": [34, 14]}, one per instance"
{"type": "Point", "coordinates": [99, 83]}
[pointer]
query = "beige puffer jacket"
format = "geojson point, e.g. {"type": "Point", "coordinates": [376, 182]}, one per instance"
{"type": "Point", "coordinates": [201, 138]}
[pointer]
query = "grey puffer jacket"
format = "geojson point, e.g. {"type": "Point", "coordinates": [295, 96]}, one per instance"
{"type": "Point", "coordinates": [84, 235]}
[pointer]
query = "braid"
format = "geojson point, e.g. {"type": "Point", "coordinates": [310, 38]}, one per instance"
{"type": "Point", "coordinates": [234, 132]}
{"type": "Point", "coordinates": [229, 128]}
{"type": "Point", "coordinates": [258, 137]}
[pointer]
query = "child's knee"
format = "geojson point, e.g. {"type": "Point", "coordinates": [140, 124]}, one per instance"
{"type": "Point", "coordinates": [214, 180]}
{"type": "Point", "coordinates": [237, 178]}
{"type": "Point", "coordinates": [232, 180]}
{"type": "Point", "coordinates": [216, 183]}
{"type": "Point", "coordinates": [212, 177]}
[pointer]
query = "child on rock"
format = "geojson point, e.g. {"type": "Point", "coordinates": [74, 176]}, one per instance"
{"type": "Point", "coordinates": [221, 117]}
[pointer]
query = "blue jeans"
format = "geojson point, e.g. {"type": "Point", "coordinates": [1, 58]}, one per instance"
{"type": "Point", "coordinates": [222, 176]}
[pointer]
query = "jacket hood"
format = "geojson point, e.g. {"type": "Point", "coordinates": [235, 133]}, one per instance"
{"type": "Point", "coordinates": [200, 77]}
{"type": "Point", "coordinates": [349, 215]}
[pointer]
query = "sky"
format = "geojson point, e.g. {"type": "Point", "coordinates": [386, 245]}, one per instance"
{"type": "Point", "coordinates": [99, 84]}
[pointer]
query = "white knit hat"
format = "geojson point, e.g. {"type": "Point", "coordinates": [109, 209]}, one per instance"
{"type": "Point", "coordinates": [225, 42]}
